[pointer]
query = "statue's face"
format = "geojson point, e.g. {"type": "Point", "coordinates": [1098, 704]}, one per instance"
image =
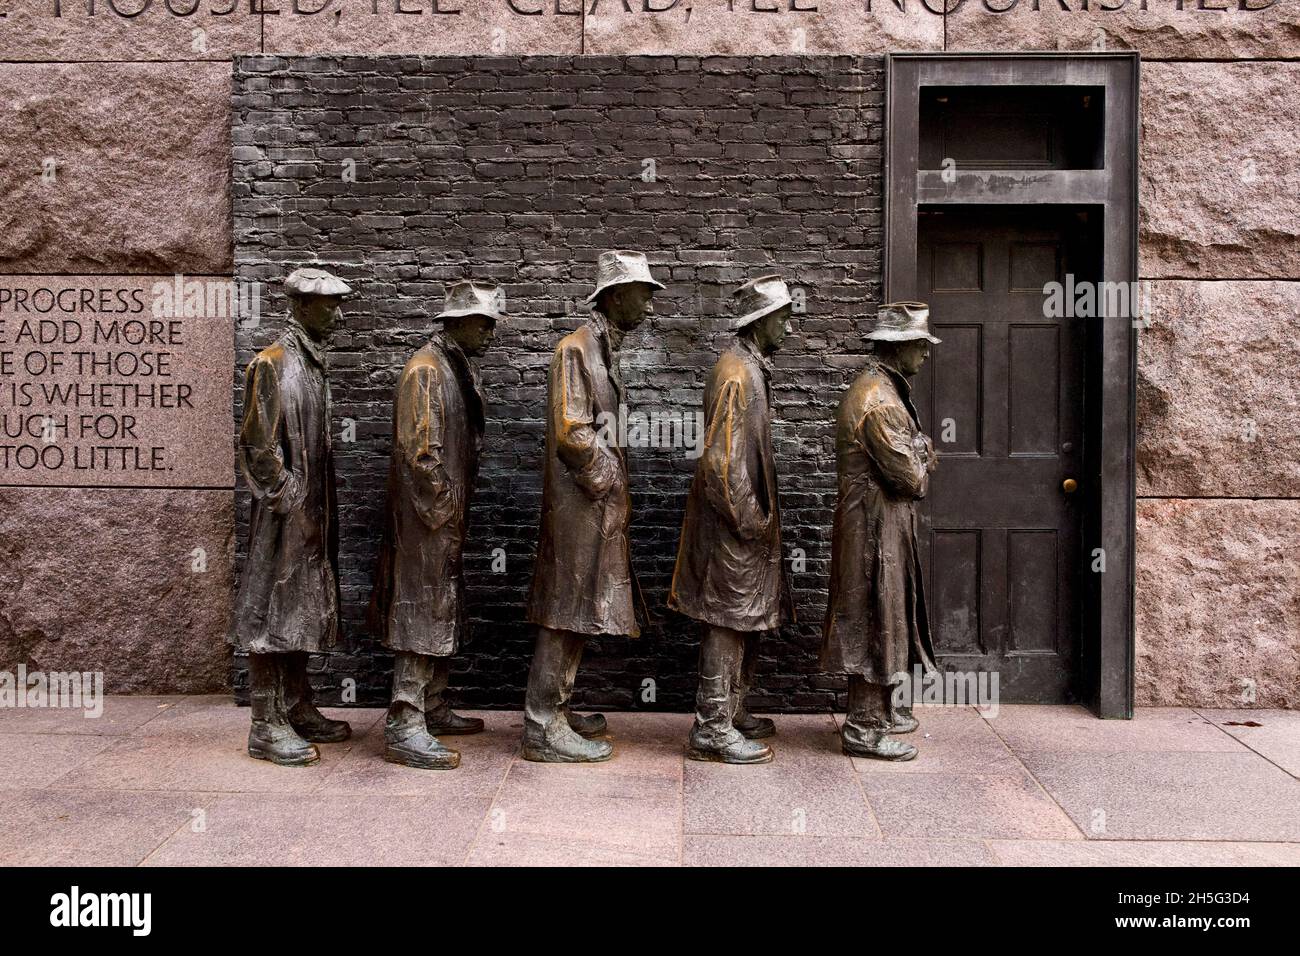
{"type": "Point", "coordinates": [318, 314]}
{"type": "Point", "coordinates": [912, 355]}
{"type": "Point", "coordinates": [770, 331]}
{"type": "Point", "coordinates": [473, 333]}
{"type": "Point", "coordinates": [627, 306]}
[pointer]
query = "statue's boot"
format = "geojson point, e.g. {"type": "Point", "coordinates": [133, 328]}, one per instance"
{"type": "Point", "coordinates": [309, 722]}
{"type": "Point", "coordinates": [713, 737]}
{"type": "Point", "coordinates": [548, 736]}
{"type": "Point", "coordinates": [407, 740]}
{"type": "Point", "coordinates": [588, 725]}
{"type": "Point", "coordinates": [866, 727]}
{"type": "Point", "coordinates": [754, 728]}
{"type": "Point", "coordinates": [902, 721]}
{"type": "Point", "coordinates": [438, 715]}
{"type": "Point", "coordinates": [271, 736]}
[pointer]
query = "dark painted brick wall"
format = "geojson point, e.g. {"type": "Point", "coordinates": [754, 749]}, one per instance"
{"type": "Point", "coordinates": [521, 170]}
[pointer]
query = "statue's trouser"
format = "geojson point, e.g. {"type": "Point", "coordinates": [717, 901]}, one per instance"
{"type": "Point", "coordinates": [266, 687]}
{"type": "Point", "coordinates": [720, 690]}
{"type": "Point", "coordinates": [550, 678]}
{"type": "Point", "coordinates": [748, 666]}
{"type": "Point", "coordinates": [297, 688]}
{"type": "Point", "coordinates": [869, 711]}
{"type": "Point", "coordinates": [419, 681]}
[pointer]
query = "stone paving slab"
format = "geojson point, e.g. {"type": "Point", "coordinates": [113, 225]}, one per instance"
{"type": "Point", "coordinates": [166, 781]}
{"type": "Point", "coordinates": [1172, 796]}
{"type": "Point", "coordinates": [956, 806]}
{"type": "Point", "coordinates": [1277, 738]}
{"type": "Point", "coordinates": [121, 715]}
{"type": "Point", "coordinates": [88, 827]}
{"type": "Point", "coordinates": [1074, 729]}
{"type": "Point", "coordinates": [328, 830]}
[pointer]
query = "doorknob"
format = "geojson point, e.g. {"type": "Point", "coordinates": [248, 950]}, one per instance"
{"type": "Point", "coordinates": [1069, 486]}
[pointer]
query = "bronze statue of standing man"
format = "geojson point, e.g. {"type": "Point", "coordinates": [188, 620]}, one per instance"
{"type": "Point", "coordinates": [418, 605]}
{"type": "Point", "coordinates": [877, 627]}
{"type": "Point", "coordinates": [729, 573]}
{"type": "Point", "coordinates": [288, 602]}
{"type": "Point", "coordinates": [583, 582]}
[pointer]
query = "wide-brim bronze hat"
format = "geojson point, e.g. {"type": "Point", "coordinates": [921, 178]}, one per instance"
{"type": "Point", "coordinates": [468, 297]}
{"type": "Point", "coordinates": [621, 267]}
{"type": "Point", "coordinates": [902, 322]}
{"type": "Point", "coordinates": [310, 281]}
{"type": "Point", "coordinates": [759, 298]}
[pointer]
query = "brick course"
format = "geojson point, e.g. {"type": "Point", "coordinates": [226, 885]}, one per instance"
{"type": "Point", "coordinates": [521, 170]}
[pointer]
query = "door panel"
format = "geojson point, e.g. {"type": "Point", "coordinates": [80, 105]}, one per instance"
{"type": "Point", "coordinates": [1003, 397]}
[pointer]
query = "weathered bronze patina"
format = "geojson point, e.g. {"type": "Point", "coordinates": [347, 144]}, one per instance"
{"type": "Point", "coordinates": [418, 604]}
{"type": "Point", "coordinates": [877, 627]}
{"type": "Point", "coordinates": [729, 572]}
{"type": "Point", "coordinates": [288, 598]}
{"type": "Point", "coordinates": [582, 581]}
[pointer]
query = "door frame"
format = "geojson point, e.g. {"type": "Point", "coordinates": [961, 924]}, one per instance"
{"type": "Point", "coordinates": [1106, 630]}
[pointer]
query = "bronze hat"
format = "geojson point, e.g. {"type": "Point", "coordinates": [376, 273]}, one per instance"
{"type": "Point", "coordinates": [620, 267]}
{"type": "Point", "coordinates": [468, 297]}
{"type": "Point", "coordinates": [757, 298]}
{"type": "Point", "coordinates": [311, 281]}
{"type": "Point", "coordinates": [902, 322]}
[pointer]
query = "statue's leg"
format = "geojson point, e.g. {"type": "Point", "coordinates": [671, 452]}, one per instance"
{"type": "Point", "coordinates": [407, 740]}
{"type": "Point", "coordinates": [547, 734]}
{"type": "Point", "coordinates": [755, 728]}
{"type": "Point", "coordinates": [272, 736]}
{"type": "Point", "coordinates": [713, 736]}
{"type": "Point", "coordinates": [588, 725]}
{"type": "Point", "coordinates": [438, 715]}
{"type": "Point", "coordinates": [310, 723]}
{"type": "Point", "coordinates": [867, 724]}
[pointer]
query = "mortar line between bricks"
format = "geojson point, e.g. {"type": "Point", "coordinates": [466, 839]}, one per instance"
{"type": "Point", "coordinates": [1243, 743]}
{"type": "Point", "coordinates": [1032, 776]}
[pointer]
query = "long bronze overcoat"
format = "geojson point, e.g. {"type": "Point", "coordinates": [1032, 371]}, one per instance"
{"type": "Point", "coordinates": [418, 603]}
{"type": "Point", "coordinates": [729, 570]}
{"type": "Point", "coordinates": [583, 580]}
{"type": "Point", "coordinates": [289, 594]}
{"type": "Point", "coordinates": [876, 620]}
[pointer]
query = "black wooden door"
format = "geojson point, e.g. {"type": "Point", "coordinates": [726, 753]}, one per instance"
{"type": "Point", "coordinates": [1003, 397]}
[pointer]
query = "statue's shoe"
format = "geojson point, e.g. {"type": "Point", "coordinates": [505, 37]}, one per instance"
{"type": "Point", "coordinates": [421, 751]}
{"type": "Point", "coordinates": [280, 744]}
{"type": "Point", "coordinates": [445, 723]}
{"type": "Point", "coordinates": [882, 749]}
{"type": "Point", "coordinates": [740, 750]}
{"type": "Point", "coordinates": [559, 744]}
{"type": "Point", "coordinates": [754, 728]}
{"type": "Point", "coordinates": [588, 725]}
{"type": "Point", "coordinates": [904, 722]}
{"type": "Point", "coordinates": [311, 724]}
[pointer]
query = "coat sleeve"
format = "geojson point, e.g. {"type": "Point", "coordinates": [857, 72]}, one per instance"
{"type": "Point", "coordinates": [421, 431]}
{"type": "Point", "coordinates": [594, 468]}
{"type": "Point", "coordinates": [727, 484]}
{"type": "Point", "coordinates": [260, 455]}
{"type": "Point", "coordinates": [886, 435]}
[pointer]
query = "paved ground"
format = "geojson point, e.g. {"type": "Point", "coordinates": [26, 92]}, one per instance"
{"type": "Point", "coordinates": [164, 781]}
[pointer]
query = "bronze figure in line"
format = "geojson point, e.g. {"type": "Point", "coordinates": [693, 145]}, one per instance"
{"type": "Point", "coordinates": [729, 573]}
{"type": "Point", "coordinates": [288, 601]}
{"type": "Point", "coordinates": [877, 628]}
{"type": "Point", "coordinates": [418, 604]}
{"type": "Point", "coordinates": [583, 583]}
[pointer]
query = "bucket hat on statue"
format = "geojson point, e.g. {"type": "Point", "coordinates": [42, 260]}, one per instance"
{"type": "Point", "coordinates": [902, 322]}
{"type": "Point", "coordinates": [468, 297]}
{"type": "Point", "coordinates": [311, 282]}
{"type": "Point", "coordinates": [758, 298]}
{"type": "Point", "coordinates": [621, 268]}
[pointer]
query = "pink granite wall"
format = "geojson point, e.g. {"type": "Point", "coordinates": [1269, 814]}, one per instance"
{"type": "Point", "coordinates": [114, 157]}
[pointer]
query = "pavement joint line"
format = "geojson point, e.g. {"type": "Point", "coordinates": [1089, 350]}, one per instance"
{"type": "Point", "coordinates": [988, 722]}
{"type": "Point", "coordinates": [487, 812]}
{"type": "Point", "coordinates": [1243, 743]}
